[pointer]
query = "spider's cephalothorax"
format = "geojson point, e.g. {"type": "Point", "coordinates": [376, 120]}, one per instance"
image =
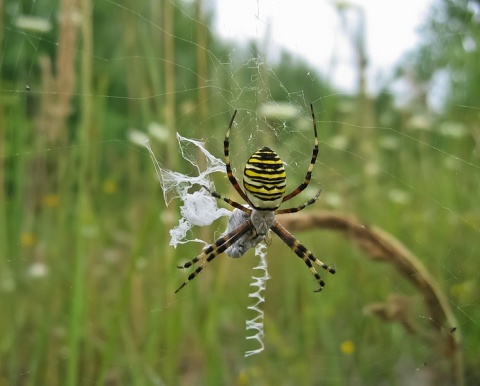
{"type": "Point", "coordinates": [264, 180]}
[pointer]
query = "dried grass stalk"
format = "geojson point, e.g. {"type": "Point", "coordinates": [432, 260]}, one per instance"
{"type": "Point", "coordinates": [379, 245]}
{"type": "Point", "coordinates": [57, 90]}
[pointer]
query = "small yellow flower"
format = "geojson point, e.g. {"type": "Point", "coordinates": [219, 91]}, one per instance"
{"type": "Point", "coordinates": [109, 187]}
{"type": "Point", "coordinates": [27, 239]}
{"type": "Point", "coordinates": [464, 291]}
{"type": "Point", "coordinates": [51, 200]}
{"type": "Point", "coordinates": [243, 379]}
{"type": "Point", "coordinates": [347, 347]}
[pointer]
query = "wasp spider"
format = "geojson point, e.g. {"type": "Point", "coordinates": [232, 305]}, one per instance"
{"type": "Point", "coordinates": [264, 180]}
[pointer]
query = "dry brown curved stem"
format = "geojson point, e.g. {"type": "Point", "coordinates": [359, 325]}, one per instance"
{"type": "Point", "coordinates": [379, 245]}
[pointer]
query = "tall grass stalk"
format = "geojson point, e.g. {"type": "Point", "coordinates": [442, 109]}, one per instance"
{"type": "Point", "coordinates": [202, 71]}
{"type": "Point", "coordinates": [3, 207]}
{"type": "Point", "coordinates": [77, 311]}
{"type": "Point", "coordinates": [3, 135]}
{"type": "Point", "coordinates": [171, 321]}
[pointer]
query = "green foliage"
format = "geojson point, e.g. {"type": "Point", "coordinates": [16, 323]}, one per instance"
{"type": "Point", "coordinates": [451, 38]}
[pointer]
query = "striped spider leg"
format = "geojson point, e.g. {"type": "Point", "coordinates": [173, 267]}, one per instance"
{"type": "Point", "coordinates": [264, 183]}
{"type": "Point", "coordinates": [308, 176]}
{"type": "Point", "coordinates": [212, 251]}
{"type": "Point", "coordinates": [301, 251]}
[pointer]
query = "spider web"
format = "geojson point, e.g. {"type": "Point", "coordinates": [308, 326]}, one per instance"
{"type": "Point", "coordinates": [198, 208]}
{"type": "Point", "coordinates": [85, 232]}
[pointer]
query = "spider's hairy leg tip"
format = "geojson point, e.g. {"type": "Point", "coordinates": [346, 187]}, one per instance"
{"type": "Point", "coordinates": [332, 270]}
{"type": "Point", "coordinates": [319, 290]}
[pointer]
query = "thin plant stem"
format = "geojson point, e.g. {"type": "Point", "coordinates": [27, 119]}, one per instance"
{"type": "Point", "coordinates": [82, 153]}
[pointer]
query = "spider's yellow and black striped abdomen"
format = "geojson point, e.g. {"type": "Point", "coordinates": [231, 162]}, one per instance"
{"type": "Point", "coordinates": [264, 179]}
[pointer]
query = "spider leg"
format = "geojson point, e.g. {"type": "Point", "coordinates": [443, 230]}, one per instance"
{"type": "Point", "coordinates": [226, 148]}
{"type": "Point", "coordinates": [300, 207]}
{"type": "Point", "coordinates": [302, 252]}
{"type": "Point", "coordinates": [308, 176]}
{"type": "Point", "coordinates": [212, 251]}
{"type": "Point", "coordinates": [229, 201]}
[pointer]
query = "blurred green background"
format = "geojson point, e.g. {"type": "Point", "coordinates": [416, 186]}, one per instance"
{"type": "Point", "coordinates": [87, 276]}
